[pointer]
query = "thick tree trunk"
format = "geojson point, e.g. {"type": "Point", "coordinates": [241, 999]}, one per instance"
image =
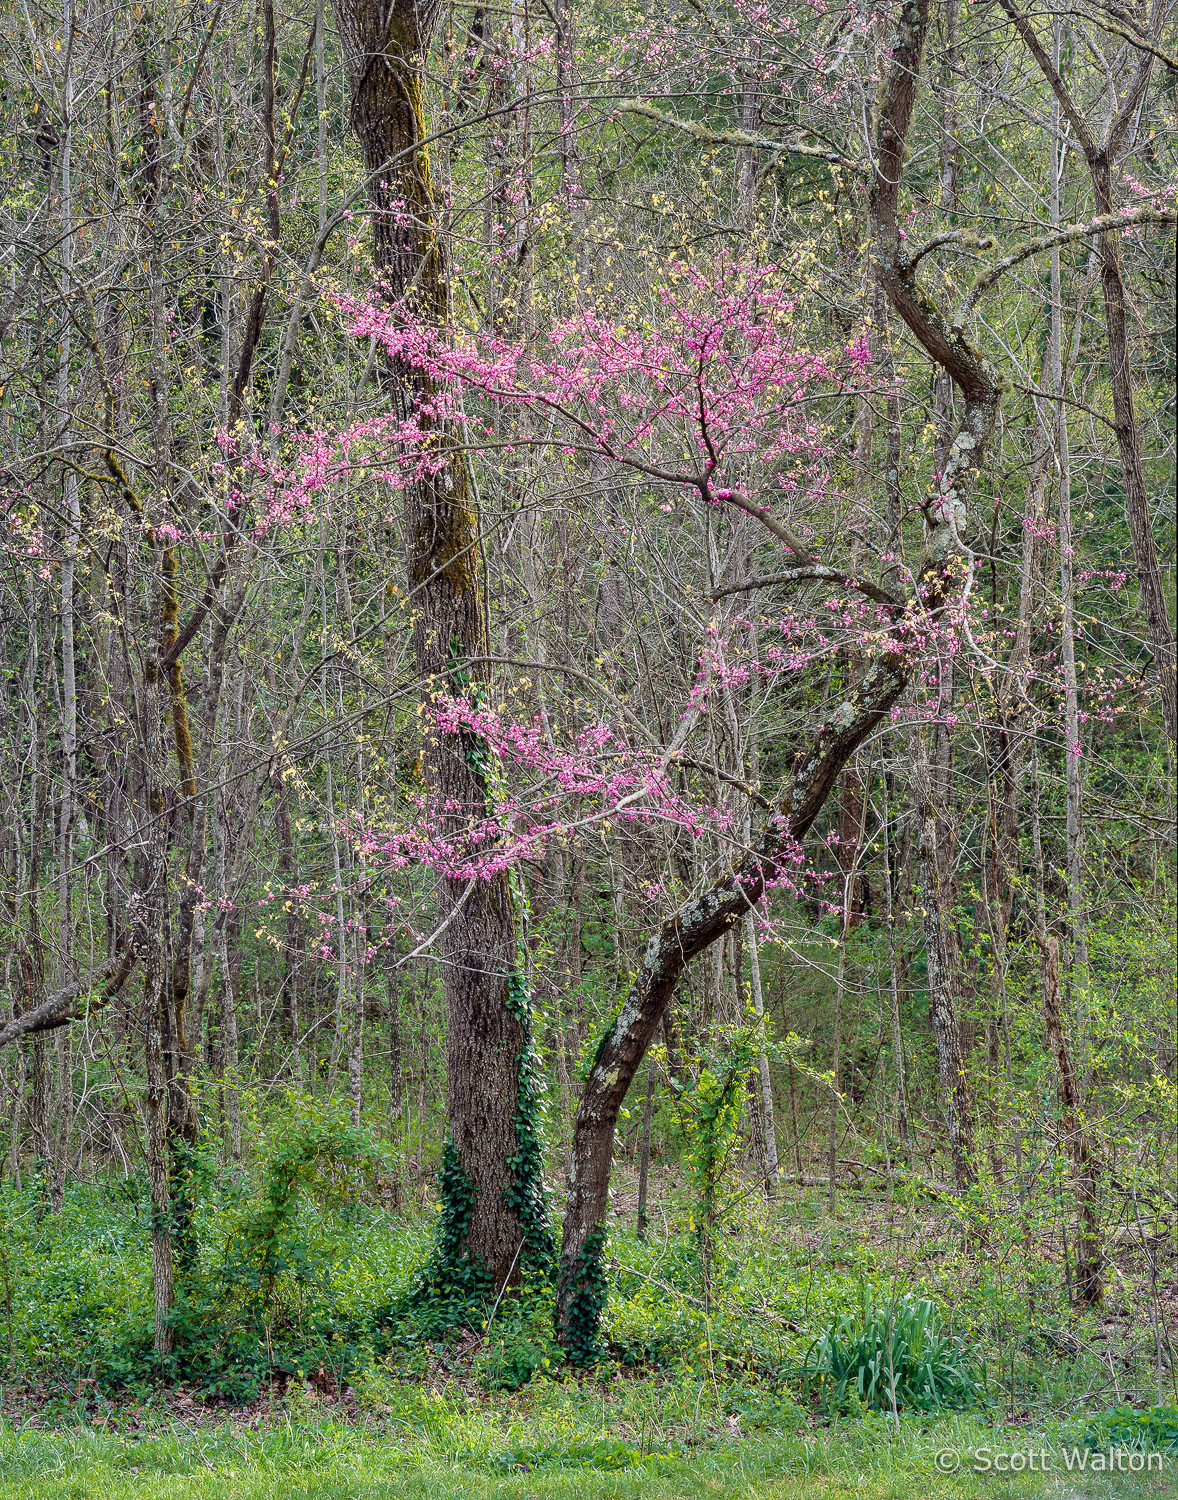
{"type": "Point", "coordinates": [489, 1103]}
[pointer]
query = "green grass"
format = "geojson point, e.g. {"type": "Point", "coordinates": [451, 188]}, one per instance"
{"type": "Point", "coordinates": [298, 1460]}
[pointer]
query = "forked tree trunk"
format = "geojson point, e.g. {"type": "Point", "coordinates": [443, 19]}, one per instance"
{"type": "Point", "coordinates": [491, 1126]}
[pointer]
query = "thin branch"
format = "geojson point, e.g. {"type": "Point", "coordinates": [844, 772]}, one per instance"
{"type": "Point", "coordinates": [1060, 89]}
{"type": "Point", "coordinates": [709, 137]}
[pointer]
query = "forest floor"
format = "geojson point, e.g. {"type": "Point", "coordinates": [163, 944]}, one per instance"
{"type": "Point", "coordinates": [696, 1397]}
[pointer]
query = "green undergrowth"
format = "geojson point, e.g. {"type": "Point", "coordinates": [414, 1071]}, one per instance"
{"type": "Point", "coordinates": [301, 1274]}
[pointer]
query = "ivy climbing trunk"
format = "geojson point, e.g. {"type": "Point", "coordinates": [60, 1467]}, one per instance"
{"type": "Point", "coordinates": [494, 1219]}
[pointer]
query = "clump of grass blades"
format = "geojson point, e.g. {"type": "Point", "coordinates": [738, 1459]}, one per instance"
{"type": "Point", "coordinates": [893, 1358]}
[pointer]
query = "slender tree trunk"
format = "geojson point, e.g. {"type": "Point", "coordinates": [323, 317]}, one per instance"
{"type": "Point", "coordinates": [902, 1125]}
{"type": "Point", "coordinates": [396, 1061]}
{"type": "Point", "coordinates": [230, 1058]}
{"type": "Point", "coordinates": [33, 957]}
{"type": "Point", "coordinates": [149, 914]}
{"type": "Point", "coordinates": [940, 954]}
{"type": "Point", "coordinates": [1137, 511]}
{"type": "Point", "coordinates": [836, 1098]}
{"type": "Point", "coordinates": [1089, 1255]}
{"type": "Point", "coordinates": [69, 688]}
{"type": "Point", "coordinates": [644, 1154]}
{"type": "Point", "coordinates": [1067, 586]}
{"type": "Point", "coordinates": [764, 1078]}
{"type": "Point", "coordinates": [563, 15]}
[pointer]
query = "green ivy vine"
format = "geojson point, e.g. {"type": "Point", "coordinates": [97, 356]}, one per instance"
{"type": "Point", "coordinates": [453, 1275]}
{"type": "Point", "coordinates": [588, 1290]}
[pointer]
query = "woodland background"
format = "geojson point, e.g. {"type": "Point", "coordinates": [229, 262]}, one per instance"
{"type": "Point", "coordinates": [634, 313]}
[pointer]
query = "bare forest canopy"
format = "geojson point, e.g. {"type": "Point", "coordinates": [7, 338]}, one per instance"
{"type": "Point", "coordinates": [583, 584]}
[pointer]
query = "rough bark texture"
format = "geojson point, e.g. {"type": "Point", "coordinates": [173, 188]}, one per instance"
{"type": "Point", "coordinates": [385, 51]}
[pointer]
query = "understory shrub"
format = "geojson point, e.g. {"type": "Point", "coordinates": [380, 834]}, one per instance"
{"type": "Point", "coordinates": [893, 1358]}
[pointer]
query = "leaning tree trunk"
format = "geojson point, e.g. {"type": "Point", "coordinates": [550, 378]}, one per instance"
{"type": "Point", "coordinates": [692, 929]}
{"type": "Point", "coordinates": [493, 1213]}
{"type": "Point", "coordinates": [699, 922]}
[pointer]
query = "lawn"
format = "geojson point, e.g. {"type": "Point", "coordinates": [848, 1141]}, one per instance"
{"type": "Point", "coordinates": [463, 1454]}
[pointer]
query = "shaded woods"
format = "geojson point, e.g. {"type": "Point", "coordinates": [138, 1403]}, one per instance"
{"type": "Point", "coordinates": [586, 606]}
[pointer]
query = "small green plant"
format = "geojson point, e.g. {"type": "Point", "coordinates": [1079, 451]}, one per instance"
{"type": "Point", "coordinates": [893, 1358]}
{"type": "Point", "coordinates": [1154, 1430]}
{"type": "Point", "coordinates": [608, 1455]}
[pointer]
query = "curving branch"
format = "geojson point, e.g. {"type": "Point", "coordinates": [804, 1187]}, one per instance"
{"type": "Point", "coordinates": [813, 571]}
{"type": "Point", "coordinates": [1070, 232]}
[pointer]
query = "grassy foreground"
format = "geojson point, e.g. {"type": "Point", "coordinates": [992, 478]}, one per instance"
{"type": "Point", "coordinates": [309, 1459]}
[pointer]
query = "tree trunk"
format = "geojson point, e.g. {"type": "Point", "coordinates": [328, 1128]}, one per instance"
{"type": "Point", "coordinates": [1089, 1256]}
{"type": "Point", "coordinates": [697, 924]}
{"type": "Point", "coordinates": [644, 1154]}
{"type": "Point", "coordinates": [764, 1079]}
{"type": "Point", "coordinates": [1067, 583]}
{"type": "Point", "coordinates": [700, 921]}
{"type": "Point", "coordinates": [1101, 155]}
{"type": "Point", "coordinates": [149, 914]}
{"type": "Point", "coordinates": [491, 1093]}
{"type": "Point", "coordinates": [902, 1126]}
{"type": "Point", "coordinates": [940, 949]}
